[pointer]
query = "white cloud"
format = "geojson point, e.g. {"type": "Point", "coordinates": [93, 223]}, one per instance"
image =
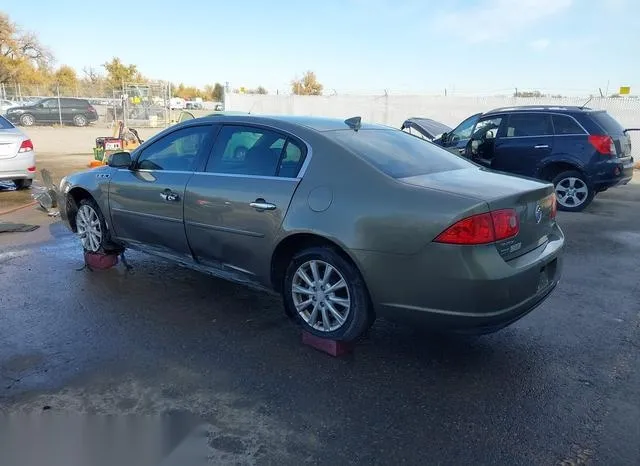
{"type": "Point", "coordinates": [540, 44]}
{"type": "Point", "coordinates": [498, 19]}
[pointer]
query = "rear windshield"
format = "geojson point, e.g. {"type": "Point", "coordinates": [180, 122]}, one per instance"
{"type": "Point", "coordinates": [397, 153]}
{"type": "Point", "coordinates": [4, 123]}
{"type": "Point", "coordinates": [607, 123]}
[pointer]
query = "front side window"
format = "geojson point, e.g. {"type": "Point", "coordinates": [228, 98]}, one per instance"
{"type": "Point", "coordinates": [464, 129]}
{"type": "Point", "coordinates": [528, 124]}
{"type": "Point", "coordinates": [177, 151]}
{"type": "Point", "coordinates": [245, 150]}
{"type": "Point", "coordinates": [487, 128]}
{"type": "Point", "coordinates": [50, 103]}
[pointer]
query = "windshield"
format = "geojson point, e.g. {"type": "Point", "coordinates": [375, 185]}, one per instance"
{"type": "Point", "coordinates": [397, 153]}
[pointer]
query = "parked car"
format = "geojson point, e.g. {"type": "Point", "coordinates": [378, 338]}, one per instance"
{"type": "Point", "coordinates": [580, 150]}
{"type": "Point", "coordinates": [17, 157]}
{"type": "Point", "coordinates": [5, 105]}
{"type": "Point", "coordinates": [348, 221]}
{"type": "Point", "coordinates": [51, 110]}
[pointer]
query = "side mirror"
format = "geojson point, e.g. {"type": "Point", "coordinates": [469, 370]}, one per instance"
{"type": "Point", "coordinates": [444, 137]}
{"type": "Point", "coordinates": [119, 160]}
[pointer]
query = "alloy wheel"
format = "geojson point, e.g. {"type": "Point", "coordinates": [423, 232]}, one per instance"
{"type": "Point", "coordinates": [89, 228]}
{"type": "Point", "coordinates": [571, 192]}
{"type": "Point", "coordinates": [321, 295]}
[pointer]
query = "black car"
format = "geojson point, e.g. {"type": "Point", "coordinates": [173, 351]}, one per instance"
{"type": "Point", "coordinates": [53, 110]}
{"type": "Point", "coordinates": [580, 150]}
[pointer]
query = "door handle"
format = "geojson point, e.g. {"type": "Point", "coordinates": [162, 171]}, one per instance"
{"type": "Point", "coordinates": [261, 204]}
{"type": "Point", "coordinates": [541, 146]}
{"type": "Point", "coordinates": [462, 151]}
{"type": "Point", "coordinates": [169, 196]}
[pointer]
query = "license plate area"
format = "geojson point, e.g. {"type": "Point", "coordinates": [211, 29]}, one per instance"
{"type": "Point", "coordinates": [546, 275]}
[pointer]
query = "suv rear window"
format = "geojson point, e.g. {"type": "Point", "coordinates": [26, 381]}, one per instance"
{"type": "Point", "coordinates": [5, 124]}
{"type": "Point", "coordinates": [607, 123]}
{"type": "Point", "coordinates": [397, 153]}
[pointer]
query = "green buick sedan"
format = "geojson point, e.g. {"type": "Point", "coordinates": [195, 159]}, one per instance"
{"type": "Point", "coordinates": [346, 220]}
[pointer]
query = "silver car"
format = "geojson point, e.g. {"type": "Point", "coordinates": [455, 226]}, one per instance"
{"type": "Point", "coordinates": [17, 157]}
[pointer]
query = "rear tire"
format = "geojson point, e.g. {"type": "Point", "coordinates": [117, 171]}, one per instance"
{"type": "Point", "coordinates": [22, 184]}
{"type": "Point", "coordinates": [27, 119]}
{"type": "Point", "coordinates": [344, 313]}
{"type": "Point", "coordinates": [573, 192]}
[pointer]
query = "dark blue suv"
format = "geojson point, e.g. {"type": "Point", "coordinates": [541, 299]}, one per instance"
{"type": "Point", "coordinates": [580, 150]}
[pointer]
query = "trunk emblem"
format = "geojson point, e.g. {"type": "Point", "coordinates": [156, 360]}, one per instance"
{"type": "Point", "coordinates": [538, 213]}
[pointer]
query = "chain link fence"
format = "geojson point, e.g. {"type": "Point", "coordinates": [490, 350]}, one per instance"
{"type": "Point", "coordinates": [137, 104]}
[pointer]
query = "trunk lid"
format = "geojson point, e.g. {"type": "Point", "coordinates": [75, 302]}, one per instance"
{"type": "Point", "coordinates": [531, 199]}
{"type": "Point", "coordinates": [10, 140]}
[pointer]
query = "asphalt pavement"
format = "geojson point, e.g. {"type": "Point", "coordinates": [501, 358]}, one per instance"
{"type": "Point", "coordinates": [561, 386]}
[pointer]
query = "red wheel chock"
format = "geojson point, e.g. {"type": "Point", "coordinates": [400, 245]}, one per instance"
{"type": "Point", "coordinates": [331, 347]}
{"type": "Point", "coordinates": [98, 261]}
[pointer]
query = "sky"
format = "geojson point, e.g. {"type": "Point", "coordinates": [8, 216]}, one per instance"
{"type": "Point", "coordinates": [572, 47]}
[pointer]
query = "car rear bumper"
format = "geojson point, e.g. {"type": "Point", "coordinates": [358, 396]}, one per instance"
{"type": "Point", "coordinates": [460, 289]}
{"type": "Point", "coordinates": [17, 168]}
{"type": "Point", "coordinates": [616, 172]}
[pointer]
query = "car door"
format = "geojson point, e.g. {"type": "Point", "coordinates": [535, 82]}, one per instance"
{"type": "Point", "coordinates": [456, 141]}
{"type": "Point", "coordinates": [47, 111]}
{"type": "Point", "coordinates": [234, 209]}
{"type": "Point", "coordinates": [525, 142]}
{"type": "Point", "coordinates": [480, 147]}
{"type": "Point", "coordinates": [146, 202]}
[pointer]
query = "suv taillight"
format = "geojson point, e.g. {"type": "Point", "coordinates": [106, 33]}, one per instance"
{"type": "Point", "coordinates": [26, 146]}
{"type": "Point", "coordinates": [482, 228]}
{"type": "Point", "coordinates": [603, 144]}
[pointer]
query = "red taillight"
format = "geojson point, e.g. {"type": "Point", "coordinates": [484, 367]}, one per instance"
{"type": "Point", "coordinates": [482, 228]}
{"type": "Point", "coordinates": [603, 144]}
{"type": "Point", "coordinates": [26, 146]}
{"type": "Point", "coordinates": [31, 169]}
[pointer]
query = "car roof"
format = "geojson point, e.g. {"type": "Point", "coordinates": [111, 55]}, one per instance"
{"type": "Point", "coordinates": [539, 108]}
{"type": "Point", "coordinates": [315, 123]}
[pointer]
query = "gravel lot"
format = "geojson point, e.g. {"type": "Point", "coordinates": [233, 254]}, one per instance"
{"type": "Point", "coordinates": [558, 387]}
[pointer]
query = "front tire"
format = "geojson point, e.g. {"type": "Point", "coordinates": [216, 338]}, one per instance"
{"type": "Point", "coordinates": [91, 227]}
{"type": "Point", "coordinates": [326, 295]}
{"type": "Point", "coordinates": [22, 184]}
{"type": "Point", "coordinates": [27, 119]}
{"type": "Point", "coordinates": [573, 192]}
{"type": "Point", "coordinates": [80, 120]}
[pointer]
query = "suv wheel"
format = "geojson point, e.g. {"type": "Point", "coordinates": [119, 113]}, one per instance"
{"type": "Point", "coordinates": [27, 119]}
{"type": "Point", "coordinates": [325, 294]}
{"type": "Point", "coordinates": [80, 120]}
{"type": "Point", "coordinates": [573, 192]}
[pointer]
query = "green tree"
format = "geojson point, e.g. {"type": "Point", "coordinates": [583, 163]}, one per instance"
{"type": "Point", "coordinates": [307, 85]}
{"type": "Point", "coordinates": [118, 73]}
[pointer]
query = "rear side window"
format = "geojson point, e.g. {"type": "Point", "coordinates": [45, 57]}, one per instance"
{"type": "Point", "coordinates": [528, 124]}
{"type": "Point", "coordinates": [607, 123]}
{"type": "Point", "coordinates": [4, 124]}
{"type": "Point", "coordinates": [564, 125]}
{"type": "Point", "coordinates": [397, 153]}
{"type": "Point", "coordinates": [74, 103]}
